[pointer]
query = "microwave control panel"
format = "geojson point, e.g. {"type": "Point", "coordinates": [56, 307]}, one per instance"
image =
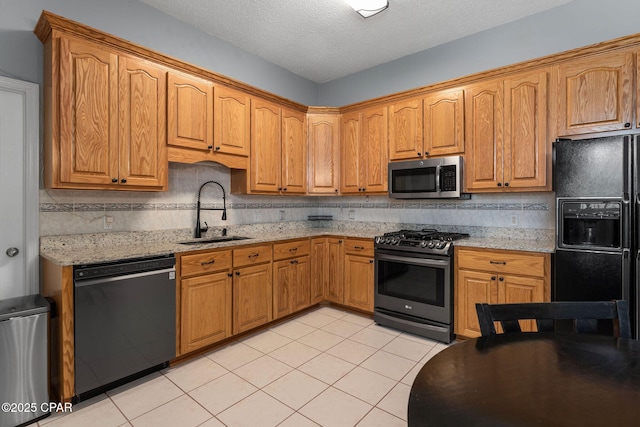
{"type": "Point", "coordinates": [448, 178]}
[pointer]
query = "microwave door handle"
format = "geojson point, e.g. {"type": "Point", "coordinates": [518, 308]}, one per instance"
{"type": "Point", "coordinates": [438, 189]}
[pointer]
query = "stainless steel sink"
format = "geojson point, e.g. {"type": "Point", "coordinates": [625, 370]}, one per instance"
{"type": "Point", "coordinates": [214, 240]}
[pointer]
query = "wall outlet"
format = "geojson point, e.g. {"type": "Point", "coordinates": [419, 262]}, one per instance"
{"type": "Point", "coordinates": [282, 215]}
{"type": "Point", "coordinates": [514, 220]}
{"type": "Point", "coordinates": [352, 214]}
{"type": "Point", "coordinates": [107, 223]}
{"type": "Point", "coordinates": [257, 216]}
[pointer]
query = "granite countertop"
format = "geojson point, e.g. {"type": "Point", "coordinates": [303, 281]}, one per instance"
{"type": "Point", "coordinates": [105, 247]}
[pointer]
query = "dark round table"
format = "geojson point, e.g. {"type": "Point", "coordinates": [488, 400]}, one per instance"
{"type": "Point", "coordinates": [530, 379]}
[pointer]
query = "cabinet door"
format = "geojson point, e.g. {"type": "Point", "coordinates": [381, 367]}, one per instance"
{"type": "Point", "coordinates": [484, 135]}
{"type": "Point", "coordinates": [324, 153]}
{"type": "Point", "coordinates": [205, 310]}
{"type": "Point", "coordinates": [283, 288]}
{"type": "Point", "coordinates": [88, 114]}
{"type": "Point", "coordinates": [252, 297]}
{"type": "Point", "coordinates": [334, 269]}
{"type": "Point", "coordinates": [319, 269]}
{"type": "Point", "coordinates": [595, 94]}
{"type": "Point", "coordinates": [472, 287]}
{"type": "Point", "coordinates": [142, 139]}
{"type": "Point", "coordinates": [516, 289]}
{"type": "Point", "coordinates": [444, 123]}
{"type": "Point", "coordinates": [265, 147]}
{"type": "Point", "coordinates": [301, 283]}
{"type": "Point", "coordinates": [358, 282]}
{"type": "Point", "coordinates": [525, 130]}
{"type": "Point", "coordinates": [232, 121]}
{"type": "Point", "coordinates": [189, 112]}
{"type": "Point", "coordinates": [374, 150]}
{"type": "Point", "coordinates": [351, 160]}
{"type": "Point", "coordinates": [294, 152]}
{"type": "Point", "coordinates": [405, 130]}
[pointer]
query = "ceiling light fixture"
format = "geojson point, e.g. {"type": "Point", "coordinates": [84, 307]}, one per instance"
{"type": "Point", "coordinates": [368, 8]}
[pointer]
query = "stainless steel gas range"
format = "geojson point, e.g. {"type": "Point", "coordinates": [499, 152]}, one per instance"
{"type": "Point", "coordinates": [414, 282]}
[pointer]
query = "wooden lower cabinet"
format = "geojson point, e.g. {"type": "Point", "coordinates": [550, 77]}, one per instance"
{"type": "Point", "coordinates": [206, 310]}
{"type": "Point", "coordinates": [319, 274]}
{"type": "Point", "coordinates": [291, 286]}
{"type": "Point", "coordinates": [358, 282]}
{"type": "Point", "coordinates": [334, 291]}
{"type": "Point", "coordinates": [497, 277]}
{"type": "Point", "coordinates": [252, 297]}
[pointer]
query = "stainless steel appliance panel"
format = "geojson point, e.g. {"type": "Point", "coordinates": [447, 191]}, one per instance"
{"type": "Point", "coordinates": [23, 359]}
{"type": "Point", "coordinates": [124, 323]}
{"type": "Point", "coordinates": [425, 179]}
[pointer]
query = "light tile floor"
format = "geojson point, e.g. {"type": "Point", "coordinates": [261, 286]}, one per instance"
{"type": "Point", "coordinates": [327, 367]}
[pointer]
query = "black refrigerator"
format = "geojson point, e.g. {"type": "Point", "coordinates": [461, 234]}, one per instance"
{"type": "Point", "coordinates": [596, 185]}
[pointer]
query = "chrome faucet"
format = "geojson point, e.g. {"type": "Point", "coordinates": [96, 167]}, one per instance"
{"type": "Point", "coordinates": [199, 229]}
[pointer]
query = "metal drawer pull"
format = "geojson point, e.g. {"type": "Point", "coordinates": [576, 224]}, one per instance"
{"type": "Point", "coordinates": [293, 249]}
{"type": "Point", "coordinates": [208, 262]}
{"type": "Point", "coordinates": [361, 248]}
{"type": "Point", "coordinates": [254, 256]}
{"type": "Point", "coordinates": [295, 261]}
{"type": "Point", "coordinates": [498, 262]}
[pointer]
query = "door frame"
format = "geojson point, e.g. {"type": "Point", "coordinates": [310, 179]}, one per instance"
{"type": "Point", "coordinates": [31, 170]}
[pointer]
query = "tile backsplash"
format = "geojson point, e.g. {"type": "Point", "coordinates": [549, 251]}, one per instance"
{"type": "Point", "coordinates": [83, 211]}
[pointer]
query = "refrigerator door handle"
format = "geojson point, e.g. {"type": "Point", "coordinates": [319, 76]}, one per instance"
{"type": "Point", "coordinates": [626, 224]}
{"type": "Point", "coordinates": [626, 273]}
{"type": "Point", "coordinates": [626, 168]}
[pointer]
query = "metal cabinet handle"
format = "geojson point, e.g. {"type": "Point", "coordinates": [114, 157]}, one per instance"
{"type": "Point", "coordinates": [370, 261]}
{"type": "Point", "coordinates": [237, 273]}
{"type": "Point", "coordinates": [506, 184]}
{"type": "Point", "coordinates": [123, 180]}
{"type": "Point", "coordinates": [208, 262]}
{"type": "Point", "coordinates": [114, 180]}
{"type": "Point", "coordinates": [11, 252]}
{"type": "Point", "coordinates": [498, 262]}
{"type": "Point", "coordinates": [209, 147]}
{"type": "Point", "coordinates": [502, 279]}
{"type": "Point", "coordinates": [499, 184]}
{"type": "Point", "coordinates": [493, 277]}
{"type": "Point", "coordinates": [627, 125]}
{"type": "Point", "coordinates": [217, 148]}
{"type": "Point", "coordinates": [293, 249]}
{"type": "Point", "coordinates": [360, 248]}
{"type": "Point", "coordinates": [229, 275]}
{"type": "Point", "coordinates": [253, 256]}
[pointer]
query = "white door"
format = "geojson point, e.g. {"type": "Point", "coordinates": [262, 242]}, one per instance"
{"type": "Point", "coordinates": [19, 167]}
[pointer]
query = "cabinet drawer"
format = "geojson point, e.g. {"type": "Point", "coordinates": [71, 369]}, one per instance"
{"type": "Point", "coordinates": [523, 264]}
{"type": "Point", "coordinates": [206, 262]}
{"type": "Point", "coordinates": [358, 247]}
{"type": "Point", "coordinates": [251, 256]}
{"type": "Point", "coordinates": [291, 249]}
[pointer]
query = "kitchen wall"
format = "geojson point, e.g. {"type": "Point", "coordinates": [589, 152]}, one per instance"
{"type": "Point", "coordinates": [74, 212]}
{"type": "Point", "coordinates": [21, 51]}
{"type": "Point", "coordinates": [576, 24]}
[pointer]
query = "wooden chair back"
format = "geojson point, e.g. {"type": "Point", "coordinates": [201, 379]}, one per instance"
{"type": "Point", "coordinates": [584, 314]}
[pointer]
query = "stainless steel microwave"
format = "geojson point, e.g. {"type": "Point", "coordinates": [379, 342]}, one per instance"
{"type": "Point", "coordinates": [427, 179]}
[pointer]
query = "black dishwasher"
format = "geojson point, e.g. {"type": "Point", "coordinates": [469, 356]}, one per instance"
{"type": "Point", "coordinates": [125, 322]}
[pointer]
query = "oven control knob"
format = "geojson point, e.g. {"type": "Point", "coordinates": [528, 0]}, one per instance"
{"type": "Point", "coordinates": [441, 245]}
{"type": "Point", "coordinates": [379, 239]}
{"type": "Point", "coordinates": [432, 244]}
{"type": "Point", "coordinates": [394, 240]}
{"type": "Point", "coordinates": [424, 244]}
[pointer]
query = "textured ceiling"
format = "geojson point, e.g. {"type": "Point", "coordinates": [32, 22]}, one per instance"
{"type": "Point", "coordinates": [323, 40]}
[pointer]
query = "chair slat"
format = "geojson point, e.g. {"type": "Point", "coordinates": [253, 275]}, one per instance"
{"type": "Point", "coordinates": [586, 316]}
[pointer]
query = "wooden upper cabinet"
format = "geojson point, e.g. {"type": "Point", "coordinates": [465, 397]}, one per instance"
{"type": "Point", "coordinates": [484, 135]}
{"type": "Point", "coordinates": [294, 152]}
{"type": "Point", "coordinates": [526, 135]}
{"type": "Point", "coordinates": [364, 152]}
{"type": "Point", "coordinates": [323, 138]}
{"type": "Point", "coordinates": [444, 123]}
{"type": "Point", "coordinates": [88, 116]}
{"type": "Point", "coordinates": [405, 130]}
{"type": "Point", "coordinates": [352, 162]}
{"type": "Point", "coordinates": [112, 126]}
{"type": "Point", "coordinates": [374, 150]}
{"type": "Point", "coordinates": [232, 121]}
{"type": "Point", "coordinates": [595, 93]}
{"type": "Point", "coordinates": [265, 147]}
{"type": "Point", "coordinates": [143, 150]}
{"type": "Point", "coordinates": [190, 112]}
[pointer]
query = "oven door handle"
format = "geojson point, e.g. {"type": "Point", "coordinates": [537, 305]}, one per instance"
{"type": "Point", "coordinates": [418, 261]}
